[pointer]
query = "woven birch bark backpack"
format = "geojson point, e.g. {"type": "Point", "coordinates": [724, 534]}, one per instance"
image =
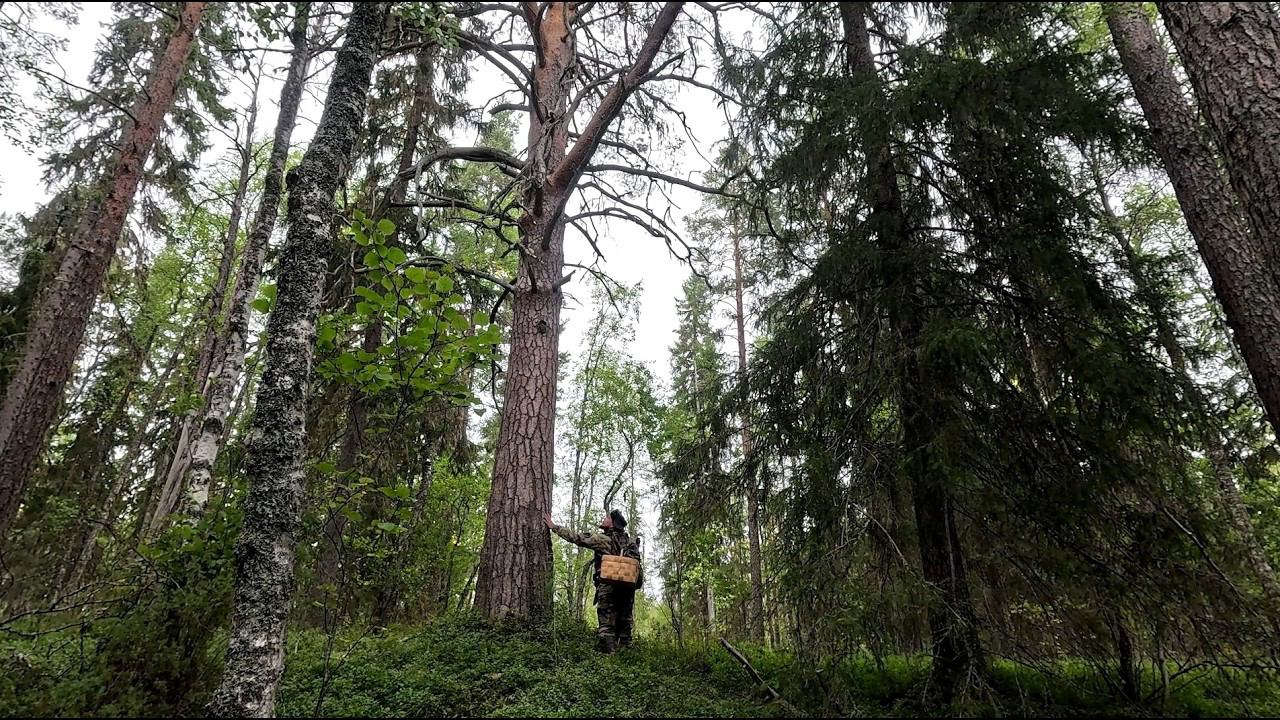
{"type": "Point", "coordinates": [623, 569]}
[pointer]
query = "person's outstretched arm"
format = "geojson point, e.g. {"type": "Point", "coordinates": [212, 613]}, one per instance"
{"type": "Point", "coordinates": [591, 541]}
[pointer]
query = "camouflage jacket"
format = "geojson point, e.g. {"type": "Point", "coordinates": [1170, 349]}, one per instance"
{"type": "Point", "coordinates": [601, 543]}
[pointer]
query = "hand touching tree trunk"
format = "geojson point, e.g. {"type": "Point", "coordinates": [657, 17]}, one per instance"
{"type": "Point", "coordinates": [514, 579]}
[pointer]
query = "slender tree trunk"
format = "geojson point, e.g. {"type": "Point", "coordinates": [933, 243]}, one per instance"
{"type": "Point", "coordinates": [49, 352]}
{"type": "Point", "coordinates": [175, 489]}
{"type": "Point", "coordinates": [755, 622]}
{"type": "Point", "coordinates": [1236, 260]}
{"type": "Point", "coordinates": [957, 650]}
{"type": "Point", "coordinates": [709, 595]}
{"type": "Point", "coordinates": [272, 510]}
{"type": "Point", "coordinates": [1216, 452]}
{"type": "Point", "coordinates": [222, 384]}
{"type": "Point", "coordinates": [514, 577]}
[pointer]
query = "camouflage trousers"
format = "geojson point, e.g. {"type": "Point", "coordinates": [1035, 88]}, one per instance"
{"type": "Point", "coordinates": [614, 608]}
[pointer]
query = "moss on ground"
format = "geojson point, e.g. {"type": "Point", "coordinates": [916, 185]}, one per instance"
{"type": "Point", "coordinates": [460, 669]}
{"type": "Point", "coordinates": [463, 668]}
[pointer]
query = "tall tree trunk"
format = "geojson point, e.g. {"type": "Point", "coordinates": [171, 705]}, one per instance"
{"type": "Point", "coordinates": [53, 340]}
{"type": "Point", "coordinates": [1216, 451]}
{"type": "Point", "coordinates": [222, 384]}
{"type": "Point", "coordinates": [174, 492]}
{"type": "Point", "coordinates": [755, 622]}
{"type": "Point", "coordinates": [514, 577]}
{"type": "Point", "coordinates": [1231, 52]}
{"type": "Point", "coordinates": [272, 511]}
{"type": "Point", "coordinates": [957, 650]}
{"type": "Point", "coordinates": [1236, 260]}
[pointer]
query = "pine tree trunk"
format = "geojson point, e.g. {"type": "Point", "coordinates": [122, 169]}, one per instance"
{"type": "Point", "coordinates": [273, 507]}
{"type": "Point", "coordinates": [957, 650]}
{"type": "Point", "coordinates": [1231, 52]}
{"type": "Point", "coordinates": [222, 384]}
{"type": "Point", "coordinates": [755, 623]}
{"type": "Point", "coordinates": [514, 577]}
{"type": "Point", "coordinates": [53, 340]}
{"type": "Point", "coordinates": [1236, 260]}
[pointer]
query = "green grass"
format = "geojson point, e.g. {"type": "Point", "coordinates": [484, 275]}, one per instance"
{"type": "Point", "coordinates": [461, 668]}
{"type": "Point", "coordinates": [465, 669]}
{"type": "Point", "coordinates": [898, 687]}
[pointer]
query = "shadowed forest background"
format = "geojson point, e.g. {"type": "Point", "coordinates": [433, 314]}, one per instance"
{"type": "Point", "coordinates": [967, 403]}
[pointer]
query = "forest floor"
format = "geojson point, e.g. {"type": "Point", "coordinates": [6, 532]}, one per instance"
{"type": "Point", "coordinates": [460, 669]}
{"type": "Point", "coordinates": [464, 668]}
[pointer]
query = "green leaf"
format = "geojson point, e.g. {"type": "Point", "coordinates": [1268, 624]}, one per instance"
{"type": "Point", "coordinates": [444, 284]}
{"type": "Point", "coordinates": [397, 492]}
{"type": "Point", "coordinates": [386, 227]}
{"type": "Point", "coordinates": [261, 305]}
{"type": "Point", "coordinates": [392, 528]}
{"type": "Point", "coordinates": [396, 255]}
{"type": "Point", "coordinates": [416, 274]}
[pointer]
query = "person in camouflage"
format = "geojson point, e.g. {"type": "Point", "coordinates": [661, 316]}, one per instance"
{"type": "Point", "coordinates": [614, 604]}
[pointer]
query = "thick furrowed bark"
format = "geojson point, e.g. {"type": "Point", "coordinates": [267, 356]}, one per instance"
{"type": "Point", "coordinates": [272, 510]}
{"type": "Point", "coordinates": [53, 339]}
{"type": "Point", "coordinates": [1231, 52]}
{"type": "Point", "coordinates": [1235, 259]}
{"type": "Point", "coordinates": [514, 576]}
{"type": "Point", "coordinates": [514, 580]}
